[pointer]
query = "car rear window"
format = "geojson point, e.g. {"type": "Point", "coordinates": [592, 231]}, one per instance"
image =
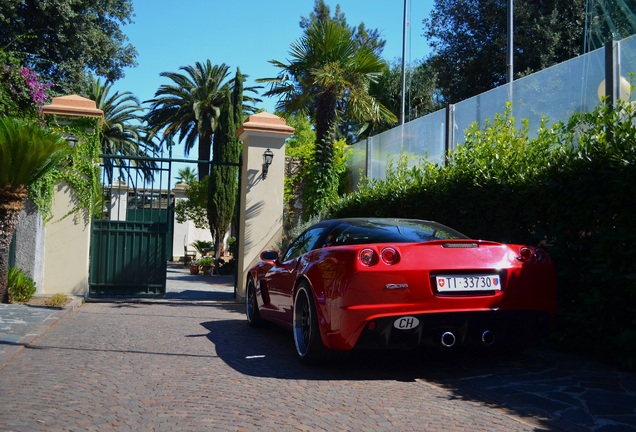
{"type": "Point", "coordinates": [398, 231]}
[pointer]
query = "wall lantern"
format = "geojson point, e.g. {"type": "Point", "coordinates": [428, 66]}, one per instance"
{"type": "Point", "coordinates": [71, 139]}
{"type": "Point", "coordinates": [268, 156]}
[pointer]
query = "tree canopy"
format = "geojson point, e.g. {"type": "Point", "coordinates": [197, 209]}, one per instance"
{"type": "Point", "coordinates": [469, 41]}
{"type": "Point", "coordinates": [63, 39]}
{"type": "Point", "coordinates": [123, 134]}
{"type": "Point", "coordinates": [328, 76]}
{"type": "Point", "coordinates": [188, 109]}
{"type": "Point", "coordinates": [364, 37]}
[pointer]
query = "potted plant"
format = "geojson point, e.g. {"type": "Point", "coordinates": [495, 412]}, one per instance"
{"type": "Point", "coordinates": [206, 264]}
{"type": "Point", "coordinates": [194, 267]}
{"type": "Point", "coordinates": [203, 246]}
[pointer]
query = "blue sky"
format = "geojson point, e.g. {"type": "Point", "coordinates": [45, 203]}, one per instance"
{"type": "Point", "coordinates": [169, 34]}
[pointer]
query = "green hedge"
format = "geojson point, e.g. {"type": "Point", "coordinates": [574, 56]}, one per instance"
{"type": "Point", "coordinates": [571, 189]}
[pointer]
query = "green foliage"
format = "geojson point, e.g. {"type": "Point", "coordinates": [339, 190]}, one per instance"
{"type": "Point", "coordinates": [223, 186]}
{"type": "Point", "coordinates": [328, 78]}
{"type": "Point", "coordinates": [22, 93]}
{"type": "Point", "coordinates": [364, 37]}
{"type": "Point", "coordinates": [56, 300]}
{"type": "Point", "coordinates": [188, 109]}
{"type": "Point", "coordinates": [420, 91]}
{"type": "Point", "coordinates": [27, 152]}
{"type": "Point", "coordinates": [303, 178]}
{"type": "Point", "coordinates": [299, 149]}
{"type": "Point", "coordinates": [21, 287]}
{"type": "Point", "coordinates": [571, 189]}
{"type": "Point", "coordinates": [81, 173]}
{"type": "Point", "coordinates": [202, 245]}
{"type": "Point", "coordinates": [468, 37]}
{"type": "Point", "coordinates": [206, 261]}
{"type": "Point", "coordinates": [61, 39]}
{"type": "Point", "coordinates": [232, 246]}
{"type": "Point", "coordinates": [122, 131]}
{"type": "Point", "coordinates": [194, 208]}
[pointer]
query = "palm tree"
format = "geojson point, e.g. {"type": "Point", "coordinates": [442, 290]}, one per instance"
{"type": "Point", "coordinates": [328, 77]}
{"type": "Point", "coordinates": [123, 134]}
{"type": "Point", "coordinates": [189, 109]}
{"type": "Point", "coordinates": [186, 175]}
{"type": "Point", "coordinates": [27, 152]}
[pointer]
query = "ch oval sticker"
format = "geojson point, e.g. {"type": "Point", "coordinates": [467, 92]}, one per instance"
{"type": "Point", "coordinates": [406, 323]}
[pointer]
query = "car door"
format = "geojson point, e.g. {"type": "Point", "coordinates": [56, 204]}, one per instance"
{"type": "Point", "coordinates": [282, 277]}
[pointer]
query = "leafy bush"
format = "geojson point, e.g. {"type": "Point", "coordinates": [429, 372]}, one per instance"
{"type": "Point", "coordinates": [206, 261]}
{"type": "Point", "coordinates": [21, 287]}
{"type": "Point", "coordinates": [56, 300]}
{"type": "Point", "coordinates": [570, 189]}
{"type": "Point", "coordinates": [232, 246]}
{"type": "Point", "coordinates": [202, 245]}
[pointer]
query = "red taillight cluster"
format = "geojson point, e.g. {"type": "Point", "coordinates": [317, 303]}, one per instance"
{"type": "Point", "coordinates": [529, 255]}
{"type": "Point", "coordinates": [369, 257]}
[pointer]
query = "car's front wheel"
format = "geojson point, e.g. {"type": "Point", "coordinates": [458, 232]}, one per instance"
{"type": "Point", "coordinates": [309, 346]}
{"type": "Point", "coordinates": [251, 304]}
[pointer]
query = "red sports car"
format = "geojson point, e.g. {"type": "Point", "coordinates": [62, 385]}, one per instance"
{"type": "Point", "coordinates": [401, 283]}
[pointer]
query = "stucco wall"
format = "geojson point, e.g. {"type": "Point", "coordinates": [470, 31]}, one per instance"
{"type": "Point", "coordinates": [261, 199]}
{"type": "Point", "coordinates": [66, 255]}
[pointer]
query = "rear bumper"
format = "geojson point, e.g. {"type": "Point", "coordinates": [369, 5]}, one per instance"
{"type": "Point", "coordinates": [454, 329]}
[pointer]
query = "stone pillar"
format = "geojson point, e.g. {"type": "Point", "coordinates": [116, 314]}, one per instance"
{"type": "Point", "coordinates": [67, 239]}
{"type": "Point", "coordinates": [261, 223]}
{"type": "Point", "coordinates": [118, 201]}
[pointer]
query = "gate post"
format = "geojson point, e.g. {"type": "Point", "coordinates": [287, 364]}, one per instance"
{"type": "Point", "coordinates": [67, 240]}
{"type": "Point", "coordinates": [261, 190]}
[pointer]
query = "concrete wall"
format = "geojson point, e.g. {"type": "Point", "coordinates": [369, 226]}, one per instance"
{"type": "Point", "coordinates": [29, 244]}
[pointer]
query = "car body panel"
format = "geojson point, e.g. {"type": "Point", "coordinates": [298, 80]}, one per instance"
{"type": "Point", "coordinates": [350, 295]}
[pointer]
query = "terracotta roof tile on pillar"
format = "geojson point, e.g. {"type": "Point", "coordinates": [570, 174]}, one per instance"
{"type": "Point", "coordinates": [265, 122]}
{"type": "Point", "coordinates": [73, 105]}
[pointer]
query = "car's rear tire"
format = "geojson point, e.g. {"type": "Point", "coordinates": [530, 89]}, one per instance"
{"type": "Point", "coordinates": [309, 346]}
{"type": "Point", "coordinates": [251, 305]}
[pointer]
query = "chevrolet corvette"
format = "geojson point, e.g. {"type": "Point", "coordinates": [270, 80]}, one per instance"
{"type": "Point", "coordinates": [347, 284]}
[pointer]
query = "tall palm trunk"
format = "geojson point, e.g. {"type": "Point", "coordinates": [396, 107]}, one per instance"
{"type": "Point", "coordinates": [11, 204]}
{"type": "Point", "coordinates": [205, 142]}
{"type": "Point", "coordinates": [323, 179]}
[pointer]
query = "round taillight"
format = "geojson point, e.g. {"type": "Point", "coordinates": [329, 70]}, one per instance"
{"type": "Point", "coordinates": [389, 256]}
{"type": "Point", "coordinates": [525, 255]}
{"type": "Point", "coordinates": [368, 257]}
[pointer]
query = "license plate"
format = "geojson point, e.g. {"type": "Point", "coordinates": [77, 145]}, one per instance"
{"type": "Point", "coordinates": [457, 283]}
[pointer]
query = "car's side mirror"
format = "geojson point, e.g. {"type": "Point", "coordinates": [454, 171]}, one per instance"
{"type": "Point", "coordinates": [269, 255]}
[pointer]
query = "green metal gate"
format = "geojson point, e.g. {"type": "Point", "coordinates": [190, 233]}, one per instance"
{"type": "Point", "coordinates": [132, 234]}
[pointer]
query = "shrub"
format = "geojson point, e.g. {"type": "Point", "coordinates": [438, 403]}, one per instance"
{"type": "Point", "coordinates": [56, 300]}
{"type": "Point", "coordinates": [570, 189]}
{"type": "Point", "coordinates": [202, 245]}
{"type": "Point", "coordinates": [21, 287]}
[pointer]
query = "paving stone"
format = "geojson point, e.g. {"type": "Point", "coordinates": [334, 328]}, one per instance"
{"type": "Point", "coordinates": [194, 366]}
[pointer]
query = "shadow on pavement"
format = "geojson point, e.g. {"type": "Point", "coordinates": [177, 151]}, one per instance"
{"type": "Point", "coordinates": [569, 392]}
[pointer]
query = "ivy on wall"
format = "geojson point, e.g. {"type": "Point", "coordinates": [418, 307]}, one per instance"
{"type": "Point", "coordinates": [81, 173]}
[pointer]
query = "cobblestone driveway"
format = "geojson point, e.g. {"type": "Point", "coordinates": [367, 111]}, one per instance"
{"type": "Point", "coordinates": [135, 366]}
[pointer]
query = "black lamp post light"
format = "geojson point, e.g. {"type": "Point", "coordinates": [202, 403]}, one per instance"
{"type": "Point", "coordinates": [268, 156]}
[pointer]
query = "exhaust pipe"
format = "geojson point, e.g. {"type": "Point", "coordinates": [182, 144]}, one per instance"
{"type": "Point", "coordinates": [448, 339]}
{"type": "Point", "coordinates": [488, 338]}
